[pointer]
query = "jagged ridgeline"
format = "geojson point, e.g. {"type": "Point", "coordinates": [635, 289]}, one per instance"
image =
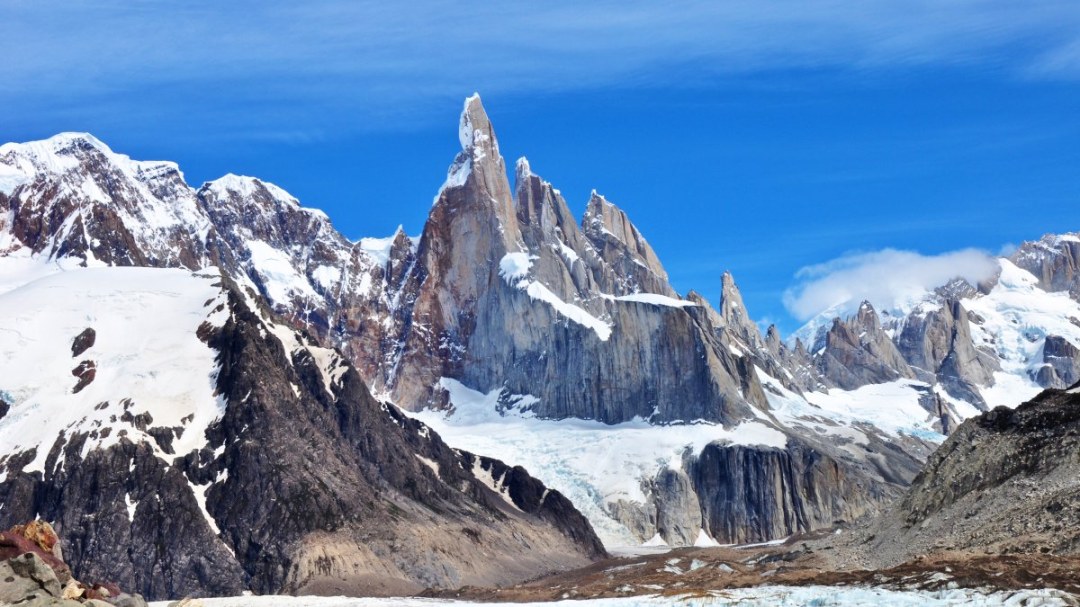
{"type": "Point", "coordinates": [507, 299]}
{"type": "Point", "coordinates": [217, 451]}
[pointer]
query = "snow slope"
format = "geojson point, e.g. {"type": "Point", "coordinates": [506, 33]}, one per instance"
{"type": "Point", "coordinates": [147, 355]}
{"type": "Point", "coordinates": [1016, 318]}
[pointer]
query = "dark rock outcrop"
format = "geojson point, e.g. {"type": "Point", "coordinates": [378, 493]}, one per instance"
{"type": "Point", "coordinates": [83, 342]}
{"type": "Point", "coordinates": [1061, 360]}
{"type": "Point", "coordinates": [33, 574]}
{"type": "Point", "coordinates": [306, 484]}
{"type": "Point", "coordinates": [84, 372]}
{"type": "Point", "coordinates": [678, 511]}
{"type": "Point", "coordinates": [756, 494]}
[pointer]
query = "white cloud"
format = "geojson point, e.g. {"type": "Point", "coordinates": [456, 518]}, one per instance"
{"type": "Point", "coordinates": [888, 279]}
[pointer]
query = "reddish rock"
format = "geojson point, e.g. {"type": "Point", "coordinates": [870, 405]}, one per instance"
{"type": "Point", "coordinates": [39, 538]}
{"type": "Point", "coordinates": [86, 371]}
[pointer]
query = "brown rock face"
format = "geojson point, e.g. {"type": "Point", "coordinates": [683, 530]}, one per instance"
{"type": "Point", "coordinates": [1054, 260]}
{"type": "Point", "coordinates": [553, 318]}
{"type": "Point", "coordinates": [86, 371]}
{"type": "Point", "coordinates": [634, 266]}
{"type": "Point", "coordinates": [36, 537]}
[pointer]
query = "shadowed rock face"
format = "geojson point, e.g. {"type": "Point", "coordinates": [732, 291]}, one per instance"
{"type": "Point", "coordinates": [756, 494]}
{"type": "Point", "coordinates": [312, 483]}
{"type": "Point", "coordinates": [678, 511]}
{"type": "Point", "coordinates": [939, 344]}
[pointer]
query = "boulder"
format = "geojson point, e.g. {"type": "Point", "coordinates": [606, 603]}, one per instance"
{"type": "Point", "coordinates": [30, 577]}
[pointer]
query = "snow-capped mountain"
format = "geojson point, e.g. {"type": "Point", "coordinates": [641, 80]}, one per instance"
{"type": "Point", "coordinates": [183, 441]}
{"type": "Point", "coordinates": [975, 346]}
{"type": "Point", "coordinates": [517, 331]}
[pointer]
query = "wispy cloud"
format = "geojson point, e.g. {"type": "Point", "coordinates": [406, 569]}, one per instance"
{"type": "Point", "coordinates": [887, 278]}
{"type": "Point", "coordinates": [252, 64]}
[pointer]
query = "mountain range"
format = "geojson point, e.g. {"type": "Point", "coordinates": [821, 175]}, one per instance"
{"type": "Point", "coordinates": [328, 415]}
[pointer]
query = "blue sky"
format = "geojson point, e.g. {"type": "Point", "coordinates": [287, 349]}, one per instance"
{"type": "Point", "coordinates": [764, 138]}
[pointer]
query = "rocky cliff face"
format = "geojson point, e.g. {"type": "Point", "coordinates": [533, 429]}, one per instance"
{"type": "Point", "coordinates": [962, 339]}
{"type": "Point", "coordinates": [511, 278]}
{"type": "Point", "coordinates": [750, 495]}
{"type": "Point", "coordinates": [858, 352]}
{"type": "Point", "coordinates": [1003, 482]}
{"type": "Point", "coordinates": [282, 474]}
{"type": "Point", "coordinates": [1054, 260]}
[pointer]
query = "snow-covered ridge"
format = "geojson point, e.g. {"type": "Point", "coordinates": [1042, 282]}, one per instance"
{"type": "Point", "coordinates": [23, 162]}
{"type": "Point", "coordinates": [147, 357]}
{"type": "Point", "coordinates": [249, 187]}
{"type": "Point", "coordinates": [652, 298]}
{"type": "Point", "coordinates": [1011, 322]}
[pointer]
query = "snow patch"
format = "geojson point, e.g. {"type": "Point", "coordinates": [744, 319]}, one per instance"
{"type": "Point", "coordinates": [326, 277]}
{"type": "Point", "coordinates": [379, 248]}
{"type": "Point", "coordinates": [488, 478]}
{"type": "Point", "coordinates": [147, 355]}
{"type": "Point", "coordinates": [703, 540]}
{"type": "Point", "coordinates": [514, 269]}
{"type": "Point", "coordinates": [430, 463]}
{"type": "Point", "coordinates": [652, 298]}
{"type": "Point", "coordinates": [570, 311]}
{"type": "Point", "coordinates": [774, 596]}
{"type": "Point", "coordinates": [515, 266]}
{"type": "Point", "coordinates": [655, 540]}
{"type": "Point", "coordinates": [280, 276]}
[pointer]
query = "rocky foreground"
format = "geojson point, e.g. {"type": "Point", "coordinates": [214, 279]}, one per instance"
{"type": "Point", "coordinates": [33, 574]}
